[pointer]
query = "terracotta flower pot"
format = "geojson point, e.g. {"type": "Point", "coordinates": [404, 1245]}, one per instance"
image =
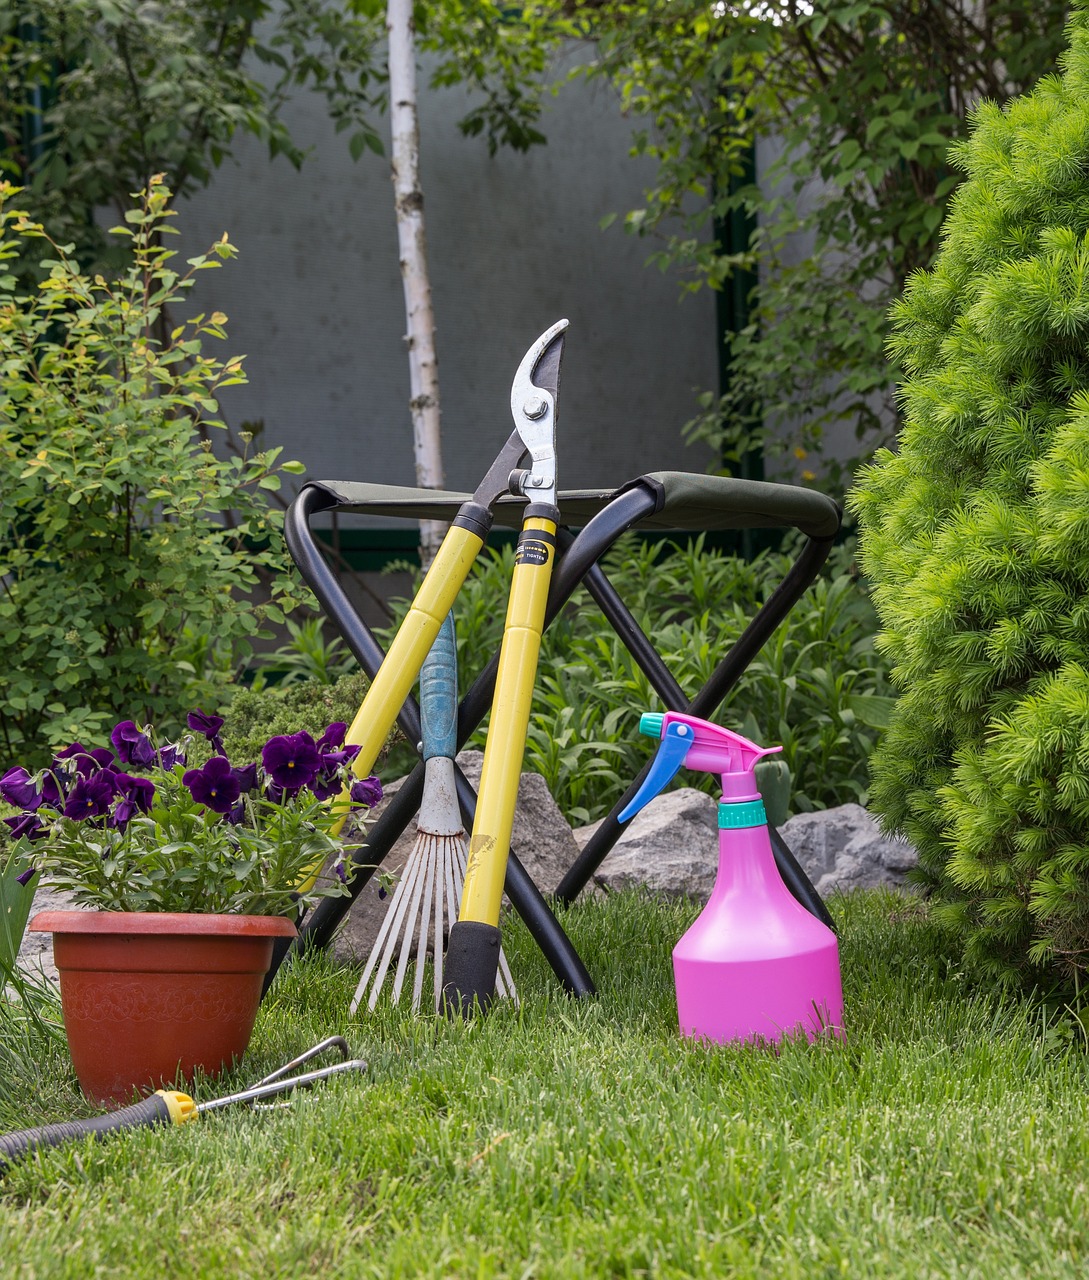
{"type": "Point", "coordinates": [148, 998]}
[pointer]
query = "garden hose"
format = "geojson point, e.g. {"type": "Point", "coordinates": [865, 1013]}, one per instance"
{"type": "Point", "coordinates": [169, 1107]}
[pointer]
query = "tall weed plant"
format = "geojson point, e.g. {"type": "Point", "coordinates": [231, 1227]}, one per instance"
{"type": "Point", "coordinates": [819, 687]}
{"type": "Point", "coordinates": [976, 535]}
{"type": "Point", "coordinates": [122, 531]}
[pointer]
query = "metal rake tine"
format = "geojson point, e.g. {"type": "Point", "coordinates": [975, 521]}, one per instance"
{"type": "Point", "coordinates": [376, 950]}
{"type": "Point", "coordinates": [504, 978]}
{"type": "Point", "coordinates": [425, 923]}
{"type": "Point", "coordinates": [440, 893]}
{"type": "Point", "coordinates": [408, 881]}
{"type": "Point", "coordinates": [408, 925]}
{"type": "Point", "coordinates": [455, 879]}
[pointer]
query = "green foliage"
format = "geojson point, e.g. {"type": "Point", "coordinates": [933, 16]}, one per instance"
{"type": "Point", "coordinates": [502, 57]}
{"type": "Point", "coordinates": [864, 100]}
{"type": "Point", "coordinates": [120, 527]}
{"type": "Point", "coordinates": [178, 859]}
{"type": "Point", "coordinates": [97, 95]}
{"type": "Point", "coordinates": [976, 536]}
{"type": "Point", "coordinates": [172, 853]}
{"type": "Point", "coordinates": [818, 687]}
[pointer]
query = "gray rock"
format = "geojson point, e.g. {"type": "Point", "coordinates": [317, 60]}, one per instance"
{"type": "Point", "coordinates": [541, 838]}
{"type": "Point", "coordinates": [36, 953]}
{"type": "Point", "coordinates": [844, 848]}
{"type": "Point", "coordinates": [671, 847]}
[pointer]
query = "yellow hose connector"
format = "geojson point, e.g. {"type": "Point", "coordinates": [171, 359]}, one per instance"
{"type": "Point", "coordinates": [181, 1106]}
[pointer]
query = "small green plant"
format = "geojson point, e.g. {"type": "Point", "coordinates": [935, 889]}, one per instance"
{"type": "Point", "coordinates": [120, 526]}
{"type": "Point", "coordinates": [308, 655]}
{"type": "Point", "coordinates": [18, 880]}
{"type": "Point", "coordinates": [818, 688]}
{"type": "Point", "coordinates": [976, 536]}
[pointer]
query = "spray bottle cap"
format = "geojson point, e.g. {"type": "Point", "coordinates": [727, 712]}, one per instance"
{"type": "Point", "coordinates": [699, 745]}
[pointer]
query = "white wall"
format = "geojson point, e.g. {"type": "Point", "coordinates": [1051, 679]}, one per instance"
{"type": "Point", "coordinates": [315, 301]}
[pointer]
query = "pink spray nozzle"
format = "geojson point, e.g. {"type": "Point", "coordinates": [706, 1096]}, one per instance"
{"type": "Point", "coordinates": [700, 745]}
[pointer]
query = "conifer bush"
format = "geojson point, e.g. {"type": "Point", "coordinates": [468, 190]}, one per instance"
{"type": "Point", "coordinates": [975, 534]}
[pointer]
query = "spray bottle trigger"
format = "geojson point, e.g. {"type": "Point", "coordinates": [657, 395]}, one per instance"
{"type": "Point", "coordinates": [676, 743]}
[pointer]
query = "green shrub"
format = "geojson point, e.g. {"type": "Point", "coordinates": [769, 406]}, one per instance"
{"type": "Point", "coordinates": [121, 531]}
{"type": "Point", "coordinates": [255, 715]}
{"type": "Point", "coordinates": [976, 536]}
{"type": "Point", "coordinates": [818, 687]}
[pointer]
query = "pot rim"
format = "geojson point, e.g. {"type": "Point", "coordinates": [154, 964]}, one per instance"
{"type": "Point", "coordinates": [161, 922]}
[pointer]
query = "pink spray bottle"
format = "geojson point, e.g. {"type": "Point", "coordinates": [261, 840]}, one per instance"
{"type": "Point", "coordinates": [756, 965]}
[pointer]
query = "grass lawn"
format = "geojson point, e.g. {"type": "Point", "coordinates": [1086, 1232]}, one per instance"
{"type": "Point", "coordinates": [949, 1136]}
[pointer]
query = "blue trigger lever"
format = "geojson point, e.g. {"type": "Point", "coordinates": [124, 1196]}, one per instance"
{"type": "Point", "coordinates": [676, 743]}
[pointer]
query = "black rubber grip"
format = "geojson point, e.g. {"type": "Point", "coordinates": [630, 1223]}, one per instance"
{"type": "Point", "coordinates": [475, 517]}
{"type": "Point", "coordinates": [151, 1112]}
{"type": "Point", "coordinates": [472, 959]}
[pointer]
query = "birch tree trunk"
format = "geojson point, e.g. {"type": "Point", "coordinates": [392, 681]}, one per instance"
{"type": "Point", "coordinates": [412, 246]}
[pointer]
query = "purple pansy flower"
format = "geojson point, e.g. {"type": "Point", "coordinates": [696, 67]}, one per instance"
{"type": "Point", "coordinates": [27, 824]}
{"type": "Point", "coordinates": [102, 758]}
{"type": "Point", "coordinates": [132, 745]}
{"type": "Point", "coordinates": [366, 791]}
{"type": "Point", "coordinates": [64, 761]}
{"type": "Point", "coordinates": [327, 782]}
{"type": "Point", "coordinates": [332, 737]}
{"type": "Point", "coordinates": [292, 761]}
{"type": "Point", "coordinates": [170, 755]}
{"type": "Point", "coordinates": [52, 795]}
{"type": "Point", "coordinates": [207, 725]}
{"type": "Point", "coordinates": [91, 797]}
{"type": "Point", "coordinates": [136, 796]}
{"type": "Point", "coordinates": [215, 786]}
{"type": "Point", "coordinates": [85, 763]}
{"type": "Point", "coordinates": [247, 778]}
{"type": "Point", "coordinates": [17, 788]}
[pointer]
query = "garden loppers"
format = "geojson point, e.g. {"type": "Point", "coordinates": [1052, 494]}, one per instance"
{"type": "Point", "coordinates": [168, 1107]}
{"type": "Point", "coordinates": [470, 527]}
{"type": "Point", "coordinates": [756, 965]}
{"type": "Point", "coordinates": [474, 947]}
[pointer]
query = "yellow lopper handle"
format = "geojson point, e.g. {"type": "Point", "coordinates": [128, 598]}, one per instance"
{"type": "Point", "coordinates": [473, 950]}
{"type": "Point", "coordinates": [395, 677]}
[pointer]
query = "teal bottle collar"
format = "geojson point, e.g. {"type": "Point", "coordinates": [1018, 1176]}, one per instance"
{"type": "Point", "coordinates": [749, 813]}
